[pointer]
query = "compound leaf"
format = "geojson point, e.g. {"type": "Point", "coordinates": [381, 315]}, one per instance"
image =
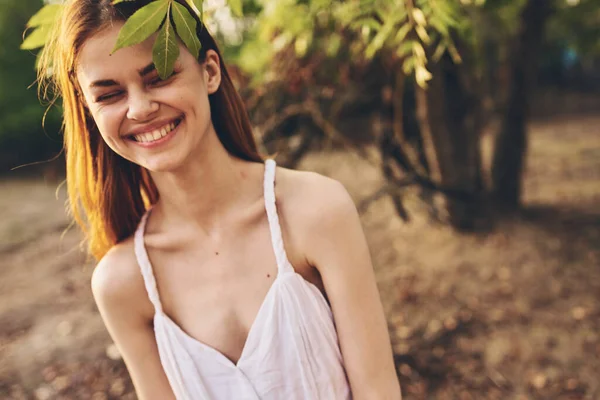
{"type": "Point", "coordinates": [185, 25]}
{"type": "Point", "coordinates": [165, 50]}
{"type": "Point", "coordinates": [143, 23]}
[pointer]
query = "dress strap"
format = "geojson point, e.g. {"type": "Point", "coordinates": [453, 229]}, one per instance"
{"type": "Point", "coordinates": [144, 262]}
{"type": "Point", "coordinates": [276, 239]}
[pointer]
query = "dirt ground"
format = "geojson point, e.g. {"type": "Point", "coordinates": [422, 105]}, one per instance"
{"type": "Point", "coordinates": [511, 314]}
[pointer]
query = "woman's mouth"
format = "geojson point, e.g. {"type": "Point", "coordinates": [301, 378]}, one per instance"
{"type": "Point", "coordinates": [157, 135]}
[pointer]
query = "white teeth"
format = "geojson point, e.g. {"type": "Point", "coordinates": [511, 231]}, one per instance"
{"type": "Point", "coordinates": [155, 134]}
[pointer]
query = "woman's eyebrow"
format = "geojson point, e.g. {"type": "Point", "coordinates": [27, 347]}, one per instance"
{"type": "Point", "coordinates": [109, 82]}
{"type": "Point", "coordinates": [147, 69]}
{"type": "Point", "coordinates": [103, 83]}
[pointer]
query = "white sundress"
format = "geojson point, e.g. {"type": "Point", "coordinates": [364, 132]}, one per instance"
{"type": "Point", "coordinates": [292, 350]}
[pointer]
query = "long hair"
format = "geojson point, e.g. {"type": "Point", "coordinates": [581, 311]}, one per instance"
{"type": "Point", "coordinates": [108, 194]}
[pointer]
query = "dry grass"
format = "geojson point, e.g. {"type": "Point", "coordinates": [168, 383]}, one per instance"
{"type": "Point", "coordinates": [511, 314]}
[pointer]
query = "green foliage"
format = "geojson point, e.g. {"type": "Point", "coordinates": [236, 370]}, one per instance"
{"type": "Point", "coordinates": [186, 28]}
{"type": "Point", "coordinates": [36, 39]}
{"type": "Point", "coordinates": [22, 137]}
{"type": "Point", "coordinates": [196, 5]}
{"type": "Point", "coordinates": [41, 22]}
{"type": "Point", "coordinates": [380, 26]}
{"type": "Point", "coordinates": [45, 16]}
{"type": "Point", "coordinates": [165, 50]}
{"type": "Point", "coordinates": [143, 23]}
{"type": "Point", "coordinates": [401, 29]}
{"type": "Point", "coordinates": [153, 17]}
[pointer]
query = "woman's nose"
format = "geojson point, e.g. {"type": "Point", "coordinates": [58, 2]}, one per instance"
{"type": "Point", "coordinates": [141, 106]}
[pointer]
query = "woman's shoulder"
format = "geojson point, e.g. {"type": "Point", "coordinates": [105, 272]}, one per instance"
{"type": "Point", "coordinates": [117, 280]}
{"type": "Point", "coordinates": [315, 212]}
{"type": "Point", "coordinates": [310, 201]}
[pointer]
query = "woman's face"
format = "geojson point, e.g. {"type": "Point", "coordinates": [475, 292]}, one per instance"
{"type": "Point", "coordinates": [156, 124]}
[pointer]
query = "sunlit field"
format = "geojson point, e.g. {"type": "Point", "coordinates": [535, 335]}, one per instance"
{"type": "Point", "coordinates": [509, 314]}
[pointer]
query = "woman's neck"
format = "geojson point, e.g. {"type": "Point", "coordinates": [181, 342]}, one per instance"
{"type": "Point", "coordinates": [207, 187]}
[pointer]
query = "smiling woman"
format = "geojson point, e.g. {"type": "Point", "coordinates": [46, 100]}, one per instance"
{"type": "Point", "coordinates": [214, 282]}
{"type": "Point", "coordinates": [93, 178]}
{"type": "Point", "coordinates": [141, 117]}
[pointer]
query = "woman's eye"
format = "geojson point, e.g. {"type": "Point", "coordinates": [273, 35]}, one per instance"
{"type": "Point", "coordinates": [108, 96]}
{"type": "Point", "coordinates": [156, 81]}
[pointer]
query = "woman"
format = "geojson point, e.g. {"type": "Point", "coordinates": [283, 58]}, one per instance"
{"type": "Point", "coordinates": [214, 282]}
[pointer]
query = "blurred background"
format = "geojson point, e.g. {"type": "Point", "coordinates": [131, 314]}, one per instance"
{"type": "Point", "coordinates": [468, 134]}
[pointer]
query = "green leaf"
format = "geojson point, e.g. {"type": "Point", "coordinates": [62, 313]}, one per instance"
{"type": "Point", "coordinates": [36, 39]}
{"type": "Point", "coordinates": [439, 51]}
{"type": "Point", "coordinates": [439, 26]}
{"type": "Point", "coordinates": [408, 66]}
{"type": "Point", "coordinates": [196, 5]}
{"type": "Point", "coordinates": [165, 50]}
{"type": "Point", "coordinates": [120, 1]}
{"type": "Point", "coordinates": [422, 75]}
{"type": "Point", "coordinates": [302, 43]}
{"type": "Point", "coordinates": [419, 17]}
{"type": "Point", "coordinates": [454, 52]}
{"type": "Point", "coordinates": [143, 23]}
{"type": "Point", "coordinates": [381, 37]}
{"type": "Point", "coordinates": [236, 7]}
{"type": "Point", "coordinates": [422, 33]}
{"type": "Point", "coordinates": [419, 51]}
{"type": "Point", "coordinates": [402, 33]}
{"type": "Point", "coordinates": [369, 22]}
{"type": "Point", "coordinates": [405, 48]}
{"type": "Point", "coordinates": [185, 25]}
{"type": "Point", "coordinates": [45, 16]}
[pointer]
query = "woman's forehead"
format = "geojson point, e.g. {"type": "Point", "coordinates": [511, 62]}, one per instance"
{"type": "Point", "coordinates": [96, 59]}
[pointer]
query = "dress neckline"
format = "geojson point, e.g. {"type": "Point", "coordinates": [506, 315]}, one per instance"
{"type": "Point", "coordinates": [283, 266]}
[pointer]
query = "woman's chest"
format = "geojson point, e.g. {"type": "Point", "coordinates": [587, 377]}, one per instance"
{"type": "Point", "coordinates": [215, 290]}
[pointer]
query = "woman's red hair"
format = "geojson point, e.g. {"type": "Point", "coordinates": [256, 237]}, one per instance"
{"type": "Point", "coordinates": [108, 194]}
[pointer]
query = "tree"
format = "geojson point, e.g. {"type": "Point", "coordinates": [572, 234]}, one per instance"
{"type": "Point", "coordinates": [442, 62]}
{"type": "Point", "coordinates": [22, 138]}
{"type": "Point", "coordinates": [425, 75]}
{"type": "Point", "coordinates": [511, 141]}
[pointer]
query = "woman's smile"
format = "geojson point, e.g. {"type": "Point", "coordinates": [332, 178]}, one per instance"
{"type": "Point", "coordinates": [155, 136]}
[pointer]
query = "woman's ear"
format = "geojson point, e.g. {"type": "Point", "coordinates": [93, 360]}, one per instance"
{"type": "Point", "coordinates": [212, 65]}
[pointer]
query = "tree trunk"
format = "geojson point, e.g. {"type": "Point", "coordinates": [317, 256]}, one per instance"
{"type": "Point", "coordinates": [393, 138]}
{"type": "Point", "coordinates": [451, 142]}
{"type": "Point", "coordinates": [511, 143]}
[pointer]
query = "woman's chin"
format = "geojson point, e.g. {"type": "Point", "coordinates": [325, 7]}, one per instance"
{"type": "Point", "coordinates": [162, 164]}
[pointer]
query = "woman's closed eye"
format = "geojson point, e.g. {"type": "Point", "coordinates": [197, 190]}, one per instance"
{"type": "Point", "coordinates": [157, 81]}
{"type": "Point", "coordinates": [108, 96]}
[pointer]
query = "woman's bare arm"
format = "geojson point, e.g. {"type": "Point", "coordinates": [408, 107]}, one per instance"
{"type": "Point", "coordinates": [119, 292]}
{"type": "Point", "coordinates": [335, 244]}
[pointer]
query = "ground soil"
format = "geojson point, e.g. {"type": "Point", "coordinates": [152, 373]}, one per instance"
{"type": "Point", "coordinates": [511, 313]}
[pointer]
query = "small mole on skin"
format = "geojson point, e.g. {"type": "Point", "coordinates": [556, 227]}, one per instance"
{"type": "Point", "coordinates": [268, 275]}
{"type": "Point", "coordinates": [216, 252]}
